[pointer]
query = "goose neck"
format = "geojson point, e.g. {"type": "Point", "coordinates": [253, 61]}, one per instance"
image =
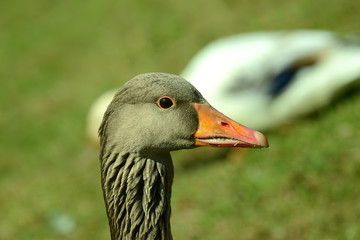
{"type": "Point", "coordinates": [137, 193]}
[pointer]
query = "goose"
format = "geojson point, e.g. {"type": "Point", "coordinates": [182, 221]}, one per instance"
{"type": "Point", "coordinates": [149, 116]}
{"type": "Point", "coordinates": [268, 78]}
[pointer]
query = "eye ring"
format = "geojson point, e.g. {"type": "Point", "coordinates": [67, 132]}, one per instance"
{"type": "Point", "coordinates": [165, 102]}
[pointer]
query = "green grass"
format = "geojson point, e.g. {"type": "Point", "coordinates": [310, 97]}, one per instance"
{"type": "Point", "coordinates": [57, 57]}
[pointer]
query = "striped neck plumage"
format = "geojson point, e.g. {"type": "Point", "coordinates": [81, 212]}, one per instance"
{"type": "Point", "coordinates": [137, 194]}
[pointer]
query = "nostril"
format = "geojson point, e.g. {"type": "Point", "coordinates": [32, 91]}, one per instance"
{"type": "Point", "coordinates": [224, 124]}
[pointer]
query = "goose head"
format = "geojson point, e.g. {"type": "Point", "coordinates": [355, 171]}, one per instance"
{"type": "Point", "coordinates": [160, 112]}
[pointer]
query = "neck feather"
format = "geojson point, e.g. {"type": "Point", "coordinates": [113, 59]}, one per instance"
{"type": "Point", "coordinates": [137, 194]}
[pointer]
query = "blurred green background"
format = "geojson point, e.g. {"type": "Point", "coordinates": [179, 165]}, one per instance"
{"type": "Point", "coordinates": [56, 57]}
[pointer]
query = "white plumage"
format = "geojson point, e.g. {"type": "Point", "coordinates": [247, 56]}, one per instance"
{"type": "Point", "coordinates": [264, 79]}
{"type": "Point", "coordinates": [96, 114]}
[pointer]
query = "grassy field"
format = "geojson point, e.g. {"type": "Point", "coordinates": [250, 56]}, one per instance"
{"type": "Point", "coordinates": [56, 57]}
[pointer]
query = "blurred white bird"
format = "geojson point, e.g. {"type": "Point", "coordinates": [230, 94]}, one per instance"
{"type": "Point", "coordinates": [96, 114]}
{"type": "Point", "coordinates": [264, 79]}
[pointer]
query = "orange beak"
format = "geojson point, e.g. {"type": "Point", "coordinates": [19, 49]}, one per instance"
{"type": "Point", "coordinates": [217, 130]}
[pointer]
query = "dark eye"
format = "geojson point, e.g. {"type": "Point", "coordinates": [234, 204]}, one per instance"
{"type": "Point", "coordinates": [165, 102]}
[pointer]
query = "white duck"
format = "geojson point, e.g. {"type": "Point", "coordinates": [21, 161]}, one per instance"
{"type": "Point", "coordinates": [265, 79]}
